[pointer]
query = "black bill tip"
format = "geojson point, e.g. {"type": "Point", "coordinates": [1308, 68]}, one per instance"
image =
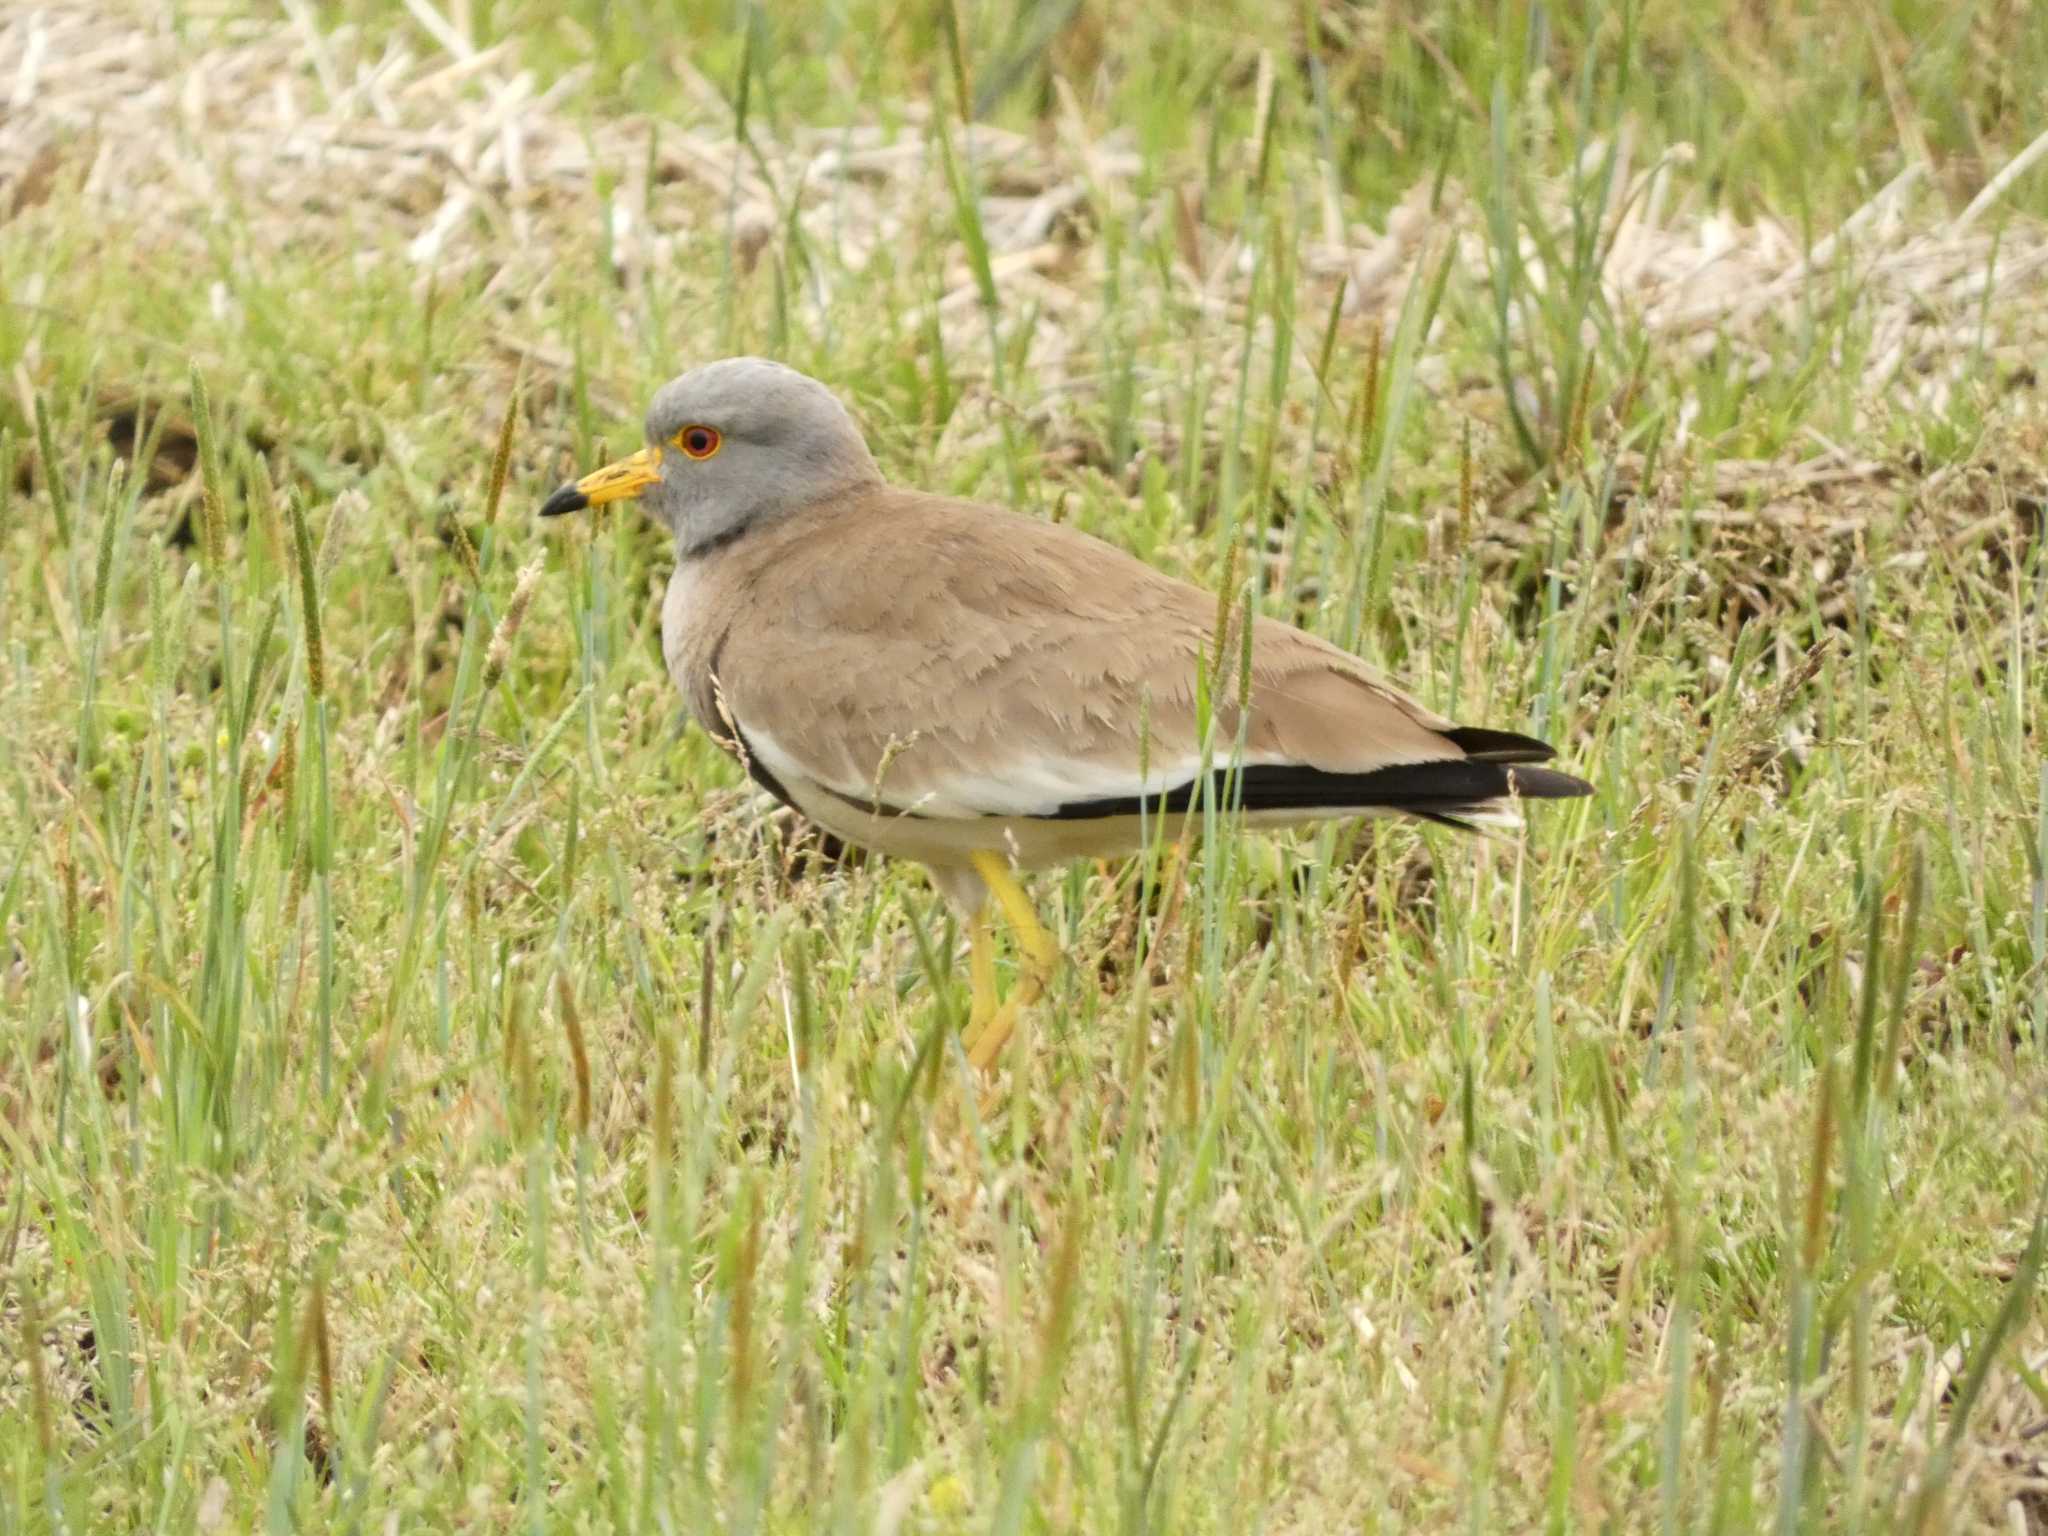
{"type": "Point", "coordinates": [567, 499]}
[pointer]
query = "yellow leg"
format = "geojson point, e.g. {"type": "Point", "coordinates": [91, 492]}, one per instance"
{"type": "Point", "coordinates": [981, 964]}
{"type": "Point", "coordinates": [1040, 954]}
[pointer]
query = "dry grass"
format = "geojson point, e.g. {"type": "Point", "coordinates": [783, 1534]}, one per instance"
{"type": "Point", "coordinates": [428, 150]}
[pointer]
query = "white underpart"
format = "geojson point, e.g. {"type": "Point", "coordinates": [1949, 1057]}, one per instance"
{"type": "Point", "coordinates": [1501, 813]}
{"type": "Point", "coordinates": [1029, 785]}
{"type": "Point", "coordinates": [960, 820]}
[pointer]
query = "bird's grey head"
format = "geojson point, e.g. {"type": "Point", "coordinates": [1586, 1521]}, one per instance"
{"type": "Point", "coordinates": [730, 445]}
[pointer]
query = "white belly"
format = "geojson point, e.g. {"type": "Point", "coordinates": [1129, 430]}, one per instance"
{"type": "Point", "coordinates": [1028, 842]}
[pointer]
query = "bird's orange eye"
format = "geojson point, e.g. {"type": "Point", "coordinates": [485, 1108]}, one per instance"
{"type": "Point", "coordinates": [698, 442]}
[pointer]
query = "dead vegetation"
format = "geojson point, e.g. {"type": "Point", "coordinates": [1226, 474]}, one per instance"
{"type": "Point", "coordinates": [469, 169]}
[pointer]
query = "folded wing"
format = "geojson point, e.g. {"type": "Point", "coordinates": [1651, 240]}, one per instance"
{"type": "Point", "coordinates": [935, 658]}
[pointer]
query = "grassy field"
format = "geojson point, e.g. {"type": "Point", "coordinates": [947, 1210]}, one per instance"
{"type": "Point", "coordinates": [437, 1093]}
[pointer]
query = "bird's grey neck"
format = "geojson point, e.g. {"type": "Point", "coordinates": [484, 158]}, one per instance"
{"type": "Point", "coordinates": [708, 526]}
{"type": "Point", "coordinates": [712, 540]}
{"type": "Point", "coordinates": [702, 535]}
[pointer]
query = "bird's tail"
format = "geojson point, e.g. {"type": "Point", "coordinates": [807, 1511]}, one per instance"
{"type": "Point", "coordinates": [1483, 788]}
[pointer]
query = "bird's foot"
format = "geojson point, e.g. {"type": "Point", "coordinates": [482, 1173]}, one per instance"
{"type": "Point", "coordinates": [1040, 957]}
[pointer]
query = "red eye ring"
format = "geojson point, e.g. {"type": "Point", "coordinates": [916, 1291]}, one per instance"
{"type": "Point", "coordinates": [699, 442]}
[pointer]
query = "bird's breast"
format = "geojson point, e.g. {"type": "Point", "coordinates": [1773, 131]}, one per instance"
{"type": "Point", "coordinates": [683, 611]}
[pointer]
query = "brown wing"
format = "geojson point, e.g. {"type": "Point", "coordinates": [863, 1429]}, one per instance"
{"type": "Point", "coordinates": [947, 659]}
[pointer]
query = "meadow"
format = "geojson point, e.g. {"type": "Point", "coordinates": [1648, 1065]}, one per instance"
{"type": "Point", "coordinates": [438, 1092]}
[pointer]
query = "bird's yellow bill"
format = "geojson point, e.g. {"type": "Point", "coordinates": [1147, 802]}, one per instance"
{"type": "Point", "coordinates": [615, 482]}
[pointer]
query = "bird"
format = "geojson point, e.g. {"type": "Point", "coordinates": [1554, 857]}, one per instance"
{"type": "Point", "coordinates": [986, 692]}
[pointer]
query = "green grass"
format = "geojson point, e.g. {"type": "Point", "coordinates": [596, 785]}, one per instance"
{"type": "Point", "coordinates": [436, 1094]}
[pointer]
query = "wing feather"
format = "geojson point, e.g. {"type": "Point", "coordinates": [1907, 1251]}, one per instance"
{"type": "Point", "coordinates": [933, 657]}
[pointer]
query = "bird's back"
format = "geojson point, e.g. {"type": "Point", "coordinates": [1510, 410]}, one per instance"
{"type": "Point", "coordinates": [1071, 674]}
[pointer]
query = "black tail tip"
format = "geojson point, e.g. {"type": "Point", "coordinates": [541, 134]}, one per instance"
{"type": "Point", "coordinates": [1545, 783]}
